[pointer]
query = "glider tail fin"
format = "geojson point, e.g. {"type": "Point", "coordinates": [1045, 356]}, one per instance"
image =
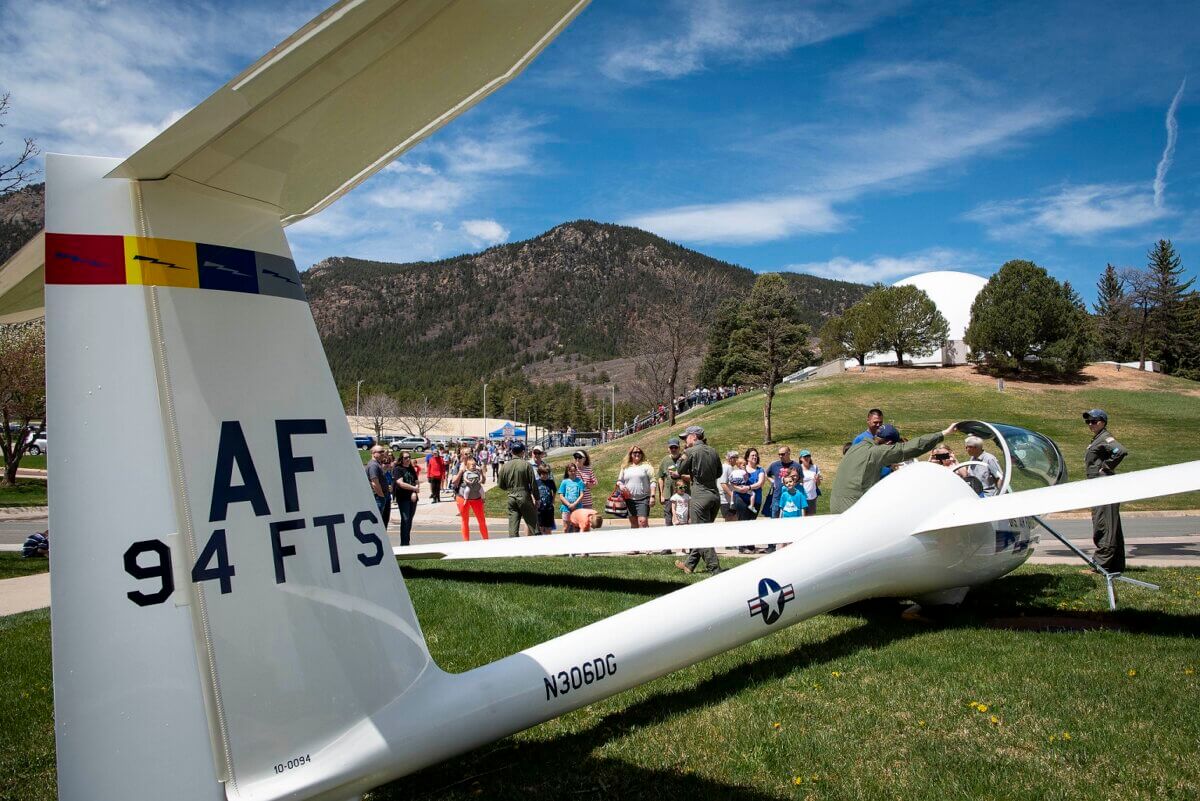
{"type": "Point", "coordinates": [225, 600]}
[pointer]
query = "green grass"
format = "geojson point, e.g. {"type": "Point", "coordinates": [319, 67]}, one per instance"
{"type": "Point", "coordinates": [33, 462]}
{"type": "Point", "coordinates": [27, 492]}
{"type": "Point", "coordinates": [867, 705]}
{"type": "Point", "coordinates": [1155, 425]}
{"type": "Point", "coordinates": [12, 565]}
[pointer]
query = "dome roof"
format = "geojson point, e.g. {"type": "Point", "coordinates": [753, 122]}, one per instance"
{"type": "Point", "coordinates": [953, 292]}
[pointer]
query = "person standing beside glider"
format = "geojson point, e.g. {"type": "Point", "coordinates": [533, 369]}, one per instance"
{"type": "Point", "coordinates": [701, 468]}
{"type": "Point", "coordinates": [405, 486]}
{"type": "Point", "coordinates": [859, 470]}
{"type": "Point", "coordinates": [669, 464]}
{"type": "Point", "coordinates": [520, 482]}
{"type": "Point", "coordinates": [1101, 459]}
{"type": "Point", "coordinates": [435, 471]}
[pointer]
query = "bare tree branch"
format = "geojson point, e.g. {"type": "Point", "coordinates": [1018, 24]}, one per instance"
{"type": "Point", "coordinates": [12, 176]}
{"type": "Point", "coordinates": [418, 418]}
{"type": "Point", "coordinates": [382, 411]}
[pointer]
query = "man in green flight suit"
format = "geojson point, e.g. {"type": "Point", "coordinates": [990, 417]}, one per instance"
{"type": "Point", "coordinates": [700, 468]}
{"type": "Point", "coordinates": [1101, 459]}
{"type": "Point", "coordinates": [517, 478]}
{"type": "Point", "coordinates": [859, 470]}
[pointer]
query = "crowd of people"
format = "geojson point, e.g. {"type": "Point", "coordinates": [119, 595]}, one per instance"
{"type": "Point", "coordinates": [692, 484]}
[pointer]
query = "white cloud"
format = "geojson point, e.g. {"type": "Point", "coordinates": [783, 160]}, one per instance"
{"type": "Point", "coordinates": [105, 78]}
{"type": "Point", "coordinates": [1168, 154]}
{"type": "Point", "coordinates": [744, 221]}
{"type": "Point", "coordinates": [713, 31]}
{"type": "Point", "coordinates": [1071, 211]}
{"type": "Point", "coordinates": [485, 232]}
{"type": "Point", "coordinates": [911, 120]}
{"type": "Point", "coordinates": [420, 192]}
{"type": "Point", "coordinates": [887, 268]}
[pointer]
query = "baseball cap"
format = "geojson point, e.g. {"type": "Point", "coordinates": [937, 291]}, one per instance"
{"type": "Point", "coordinates": [697, 430]}
{"type": "Point", "coordinates": [517, 446]}
{"type": "Point", "coordinates": [673, 441]}
{"type": "Point", "coordinates": [1095, 414]}
{"type": "Point", "coordinates": [888, 433]}
{"type": "Point", "coordinates": [538, 449]}
{"type": "Point", "coordinates": [805, 452]}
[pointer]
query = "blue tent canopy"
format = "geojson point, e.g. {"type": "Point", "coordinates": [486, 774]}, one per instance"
{"type": "Point", "coordinates": [507, 432]}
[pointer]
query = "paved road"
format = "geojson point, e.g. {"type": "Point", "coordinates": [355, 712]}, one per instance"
{"type": "Point", "coordinates": [1151, 540]}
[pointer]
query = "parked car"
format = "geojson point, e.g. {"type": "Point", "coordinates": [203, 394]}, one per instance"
{"type": "Point", "coordinates": [364, 441]}
{"type": "Point", "coordinates": [418, 444]}
{"type": "Point", "coordinates": [38, 446]}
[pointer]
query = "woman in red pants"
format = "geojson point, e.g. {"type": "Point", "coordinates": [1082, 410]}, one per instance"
{"type": "Point", "coordinates": [468, 492]}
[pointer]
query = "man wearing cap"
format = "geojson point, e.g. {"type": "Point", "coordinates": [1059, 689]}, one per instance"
{"type": "Point", "coordinates": [538, 457]}
{"type": "Point", "coordinates": [775, 473]}
{"type": "Point", "coordinates": [1101, 459]}
{"type": "Point", "coordinates": [517, 478]}
{"type": "Point", "coordinates": [701, 468]}
{"type": "Point", "coordinates": [859, 470]}
{"type": "Point", "coordinates": [986, 471]}
{"type": "Point", "coordinates": [669, 465]}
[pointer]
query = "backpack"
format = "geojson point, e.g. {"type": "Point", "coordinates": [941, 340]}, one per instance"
{"type": "Point", "coordinates": [615, 505]}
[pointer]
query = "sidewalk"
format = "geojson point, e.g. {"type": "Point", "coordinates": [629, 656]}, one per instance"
{"type": "Point", "coordinates": [24, 594]}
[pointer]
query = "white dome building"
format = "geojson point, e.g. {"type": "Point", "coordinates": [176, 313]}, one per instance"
{"type": "Point", "coordinates": [953, 293]}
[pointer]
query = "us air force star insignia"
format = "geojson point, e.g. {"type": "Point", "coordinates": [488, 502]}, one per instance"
{"type": "Point", "coordinates": [770, 600]}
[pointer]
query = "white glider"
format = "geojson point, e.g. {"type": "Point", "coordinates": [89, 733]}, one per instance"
{"type": "Point", "coordinates": [238, 628]}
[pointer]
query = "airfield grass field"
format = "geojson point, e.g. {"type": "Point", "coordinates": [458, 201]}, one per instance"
{"type": "Point", "coordinates": [854, 704]}
{"type": "Point", "coordinates": [1153, 416]}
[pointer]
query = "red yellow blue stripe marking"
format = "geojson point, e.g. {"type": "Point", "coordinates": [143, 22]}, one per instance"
{"type": "Point", "coordinates": [148, 261]}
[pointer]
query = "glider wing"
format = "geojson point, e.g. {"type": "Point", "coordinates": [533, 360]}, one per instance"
{"type": "Point", "coordinates": [1152, 483]}
{"type": "Point", "coordinates": [726, 535]}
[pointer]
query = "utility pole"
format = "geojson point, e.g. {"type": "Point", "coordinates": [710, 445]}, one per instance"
{"type": "Point", "coordinates": [613, 387]}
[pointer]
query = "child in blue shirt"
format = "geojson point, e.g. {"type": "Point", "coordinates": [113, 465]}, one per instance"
{"type": "Point", "coordinates": [570, 493]}
{"type": "Point", "coordinates": [792, 499]}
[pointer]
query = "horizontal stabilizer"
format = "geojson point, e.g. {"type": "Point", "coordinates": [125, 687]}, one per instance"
{"type": "Point", "coordinates": [22, 282]}
{"type": "Point", "coordinates": [1152, 483]}
{"type": "Point", "coordinates": [347, 93]}
{"type": "Point", "coordinates": [624, 540]}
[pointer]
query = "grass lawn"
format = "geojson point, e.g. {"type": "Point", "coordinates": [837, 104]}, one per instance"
{"type": "Point", "coordinates": [12, 565]}
{"type": "Point", "coordinates": [1151, 415]}
{"type": "Point", "coordinates": [850, 705]}
{"type": "Point", "coordinates": [27, 492]}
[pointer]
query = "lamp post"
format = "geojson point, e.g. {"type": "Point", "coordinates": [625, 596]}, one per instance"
{"type": "Point", "coordinates": [357, 387]}
{"type": "Point", "coordinates": [613, 387]}
{"type": "Point", "coordinates": [486, 438]}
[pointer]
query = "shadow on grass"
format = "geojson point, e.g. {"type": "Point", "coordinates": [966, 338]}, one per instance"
{"type": "Point", "coordinates": [602, 583]}
{"type": "Point", "coordinates": [562, 767]}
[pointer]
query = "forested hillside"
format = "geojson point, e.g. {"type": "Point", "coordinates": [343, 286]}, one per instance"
{"type": "Point", "coordinates": [413, 328]}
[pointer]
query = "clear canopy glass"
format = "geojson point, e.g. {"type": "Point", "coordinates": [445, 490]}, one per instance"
{"type": "Point", "coordinates": [1031, 460]}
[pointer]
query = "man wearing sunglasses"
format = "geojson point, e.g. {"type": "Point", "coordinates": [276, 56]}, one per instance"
{"type": "Point", "coordinates": [1101, 459]}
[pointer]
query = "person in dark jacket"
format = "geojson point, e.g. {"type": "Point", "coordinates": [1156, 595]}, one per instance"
{"type": "Point", "coordinates": [859, 470]}
{"type": "Point", "coordinates": [1101, 459]}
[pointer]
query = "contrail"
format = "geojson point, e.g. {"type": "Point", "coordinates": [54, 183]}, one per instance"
{"type": "Point", "coordinates": [1168, 156]}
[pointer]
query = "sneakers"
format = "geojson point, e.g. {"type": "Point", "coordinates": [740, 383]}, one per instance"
{"type": "Point", "coordinates": [679, 564]}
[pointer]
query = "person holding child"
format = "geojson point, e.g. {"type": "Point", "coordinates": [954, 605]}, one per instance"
{"type": "Point", "coordinates": [468, 484]}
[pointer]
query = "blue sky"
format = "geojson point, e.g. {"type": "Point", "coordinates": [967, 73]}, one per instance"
{"type": "Point", "coordinates": [859, 140]}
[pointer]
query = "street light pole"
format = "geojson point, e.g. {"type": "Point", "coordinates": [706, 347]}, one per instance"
{"type": "Point", "coordinates": [357, 387]}
{"type": "Point", "coordinates": [486, 438]}
{"type": "Point", "coordinates": [613, 387]}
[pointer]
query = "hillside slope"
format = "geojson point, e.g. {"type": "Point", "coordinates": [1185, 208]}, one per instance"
{"type": "Point", "coordinates": [1152, 414]}
{"type": "Point", "coordinates": [568, 292]}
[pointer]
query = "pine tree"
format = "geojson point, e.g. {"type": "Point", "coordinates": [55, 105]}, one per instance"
{"type": "Point", "coordinates": [1167, 340]}
{"type": "Point", "coordinates": [769, 341]}
{"type": "Point", "coordinates": [909, 322]}
{"type": "Point", "coordinates": [1113, 316]}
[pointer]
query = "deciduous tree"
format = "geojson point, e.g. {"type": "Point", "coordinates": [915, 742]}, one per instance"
{"type": "Point", "coordinates": [418, 418]}
{"type": "Point", "coordinates": [909, 322]}
{"type": "Point", "coordinates": [22, 391]}
{"type": "Point", "coordinates": [382, 411]}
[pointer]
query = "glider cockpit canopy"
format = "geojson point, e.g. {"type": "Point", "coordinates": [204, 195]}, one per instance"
{"type": "Point", "coordinates": [1030, 459]}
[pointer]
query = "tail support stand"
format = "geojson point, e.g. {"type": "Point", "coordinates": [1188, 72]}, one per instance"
{"type": "Point", "coordinates": [1109, 578]}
